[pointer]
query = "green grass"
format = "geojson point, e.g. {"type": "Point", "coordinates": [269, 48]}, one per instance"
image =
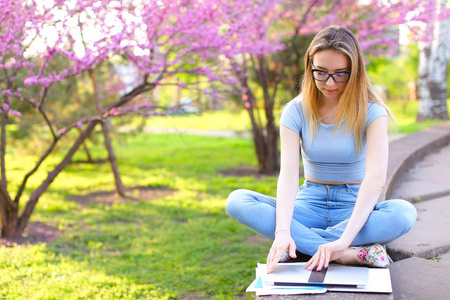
{"type": "Point", "coordinates": [178, 245]}
{"type": "Point", "coordinates": [405, 112]}
{"type": "Point", "coordinates": [211, 120]}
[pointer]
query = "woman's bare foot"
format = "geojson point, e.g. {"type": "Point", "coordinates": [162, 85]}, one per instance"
{"type": "Point", "coordinates": [350, 257]}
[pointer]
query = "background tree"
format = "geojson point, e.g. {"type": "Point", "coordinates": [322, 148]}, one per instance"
{"type": "Point", "coordinates": [162, 39]}
{"type": "Point", "coordinates": [433, 65]}
{"type": "Point", "coordinates": [289, 26]}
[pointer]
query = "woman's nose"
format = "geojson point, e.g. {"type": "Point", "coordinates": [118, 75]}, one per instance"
{"type": "Point", "coordinates": [330, 81]}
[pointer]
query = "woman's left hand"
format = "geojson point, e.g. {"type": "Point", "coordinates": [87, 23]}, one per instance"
{"type": "Point", "coordinates": [327, 253]}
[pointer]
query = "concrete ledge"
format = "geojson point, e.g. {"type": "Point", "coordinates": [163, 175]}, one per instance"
{"type": "Point", "coordinates": [428, 179]}
{"type": "Point", "coordinates": [404, 152]}
{"type": "Point", "coordinates": [418, 279]}
{"type": "Point", "coordinates": [429, 237]}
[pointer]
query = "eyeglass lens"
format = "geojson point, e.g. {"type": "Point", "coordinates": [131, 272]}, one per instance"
{"type": "Point", "coordinates": [338, 76]}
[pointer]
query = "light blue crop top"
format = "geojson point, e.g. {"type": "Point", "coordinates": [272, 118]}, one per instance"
{"type": "Point", "coordinates": [329, 157]}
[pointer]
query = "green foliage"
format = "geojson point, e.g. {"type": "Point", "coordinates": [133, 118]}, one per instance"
{"type": "Point", "coordinates": [395, 72]}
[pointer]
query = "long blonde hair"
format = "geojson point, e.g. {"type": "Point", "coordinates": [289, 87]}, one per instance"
{"type": "Point", "coordinates": [353, 103]}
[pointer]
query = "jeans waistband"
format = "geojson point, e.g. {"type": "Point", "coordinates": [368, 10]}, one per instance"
{"type": "Point", "coordinates": [310, 183]}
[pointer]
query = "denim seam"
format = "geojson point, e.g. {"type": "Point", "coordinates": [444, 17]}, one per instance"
{"type": "Point", "coordinates": [337, 226]}
{"type": "Point", "coordinates": [296, 212]}
{"type": "Point", "coordinates": [351, 191]}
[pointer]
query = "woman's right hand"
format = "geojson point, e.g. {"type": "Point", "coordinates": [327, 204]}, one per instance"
{"type": "Point", "coordinates": [283, 242]}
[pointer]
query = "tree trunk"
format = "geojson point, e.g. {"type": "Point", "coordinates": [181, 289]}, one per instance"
{"type": "Point", "coordinates": [120, 190]}
{"type": "Point", "coordinates": [257, 133]}
{"type": "Point", "coordinates": [3, 148]}
{"type": "Point", "coordinates": [89, 158]}
{"type": "Point", "coordinates": [8, 209]}
{"type": "Point", "coordinates": [266, 143]}
{"type": "Point", "coordinates": [37, 193]}
{"type": "Point", "coordinates": [9, 217]}
{"type": "Point", "coordinates": [271, 129]}
{"type": "Point", "coordinates": [433, 65]}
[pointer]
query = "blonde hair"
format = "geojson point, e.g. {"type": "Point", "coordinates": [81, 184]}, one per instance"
{"type": "Point", "coordinates": [353, 103]}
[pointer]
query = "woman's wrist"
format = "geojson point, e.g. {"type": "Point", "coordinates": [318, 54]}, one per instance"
{"type": "Point", "coordinates": [346, 241]}
{"type": "Point", "coordinates": [282, 229]}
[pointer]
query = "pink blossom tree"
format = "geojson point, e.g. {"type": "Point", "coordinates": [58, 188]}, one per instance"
{"type": "Point", "coordinates": [162, 39]}
{"type": "Point", "coordinates": [288, 24]}
{"type": "Point", "coordinates": [215, 40]}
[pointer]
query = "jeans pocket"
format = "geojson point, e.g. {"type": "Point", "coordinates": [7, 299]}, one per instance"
{"type": "Point", "coordinates": [353, 189]}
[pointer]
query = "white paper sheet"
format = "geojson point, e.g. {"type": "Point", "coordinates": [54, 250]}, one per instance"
{"type": "Point", "coordinates": [261, 289]}
{"type": "Point", "coordinates": [378, 281]}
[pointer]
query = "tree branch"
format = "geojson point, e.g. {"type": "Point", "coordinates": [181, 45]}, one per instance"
{"type": "Point", "coordinates": [5, 195]}
{"type": "Point", "coordinates": [23, 220]}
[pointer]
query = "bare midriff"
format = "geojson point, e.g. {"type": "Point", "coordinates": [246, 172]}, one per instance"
{"type": "Point", "coordinates": [309, 178]}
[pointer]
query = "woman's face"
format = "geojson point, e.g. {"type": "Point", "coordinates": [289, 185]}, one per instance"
{"type": "Point", "coordinates": [330, 61]}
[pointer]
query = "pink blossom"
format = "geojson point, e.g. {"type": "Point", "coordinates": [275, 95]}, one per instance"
{"type": "Point", "coordinates": [14, 113]}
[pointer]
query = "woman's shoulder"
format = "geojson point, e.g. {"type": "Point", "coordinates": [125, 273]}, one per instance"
{"type": "Point", "coordinates": [295, 104]}
{"type": "Point", "coordinates": [292, 115]}
{"type": "Point", "coordinates": [376, 108]}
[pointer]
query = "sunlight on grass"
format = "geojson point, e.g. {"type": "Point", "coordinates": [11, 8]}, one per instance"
{"type": "Point", "coordinates": [36, 272]}
{"type": "Point", "coordinates": [211, 120]}
{"type": "Point", "coordinates": [405, 112]}
{"type": "Point", "coordinates": [169, 247]}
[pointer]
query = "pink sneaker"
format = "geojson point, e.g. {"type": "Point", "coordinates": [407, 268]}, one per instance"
{"type": "Point", "coordinates": [373, 256]}
{"type": "Point", "coordinates": [284, 257]}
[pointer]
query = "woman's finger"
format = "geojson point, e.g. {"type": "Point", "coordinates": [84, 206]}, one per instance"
{"type": "Point", "coordinates": [327, 259]}
{"type": "Point", "coordinates": [321, 259]}
{"type": "Point", "coordinates": [273, 262]}
{"type": "Point", "coordinates": [313, 262]}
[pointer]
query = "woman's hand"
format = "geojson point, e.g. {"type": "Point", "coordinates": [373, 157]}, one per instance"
{"type": "Point", "coordinates": [283, 242]}
{"type": "Point", "coordinates": [327, 253]}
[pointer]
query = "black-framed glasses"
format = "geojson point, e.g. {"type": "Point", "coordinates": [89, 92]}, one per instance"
{"type": "Point", "coordinates": [340, 77]}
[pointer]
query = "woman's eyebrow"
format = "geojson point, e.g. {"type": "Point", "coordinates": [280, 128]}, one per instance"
{"type": "Point", "coordinates": [337, 70]}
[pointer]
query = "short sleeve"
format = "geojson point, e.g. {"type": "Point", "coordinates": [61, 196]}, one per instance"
{"type": "Point", "coordinates": [291, 116]}
{"type": "Point", "coordinates": [375, 110]}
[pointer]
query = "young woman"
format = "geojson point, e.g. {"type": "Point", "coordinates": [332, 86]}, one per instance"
{"type": "Point", "coordinates": [340, 125]}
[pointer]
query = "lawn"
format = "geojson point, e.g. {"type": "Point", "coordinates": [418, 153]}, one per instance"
{"type": "Point", "coordinates": [404, 112]}
{"type": "Point", "coordinates": [170, 239]}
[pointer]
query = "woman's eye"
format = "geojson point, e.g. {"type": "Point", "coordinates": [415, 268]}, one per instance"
{"type": "Point", "coordinates": [341, 74]}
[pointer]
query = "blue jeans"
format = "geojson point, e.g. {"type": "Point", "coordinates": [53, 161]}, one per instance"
{"type": "Point", "coordinates": [321, 213]}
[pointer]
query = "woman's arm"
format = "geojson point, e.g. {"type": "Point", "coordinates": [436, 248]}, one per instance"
{"type": "Point", "coordinates": [287, 188]}
{"type": "Point", "coordinates": [369, 192]}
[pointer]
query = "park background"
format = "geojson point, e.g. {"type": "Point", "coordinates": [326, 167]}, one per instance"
{"type": "Point", "coordinates": [180, 146]}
